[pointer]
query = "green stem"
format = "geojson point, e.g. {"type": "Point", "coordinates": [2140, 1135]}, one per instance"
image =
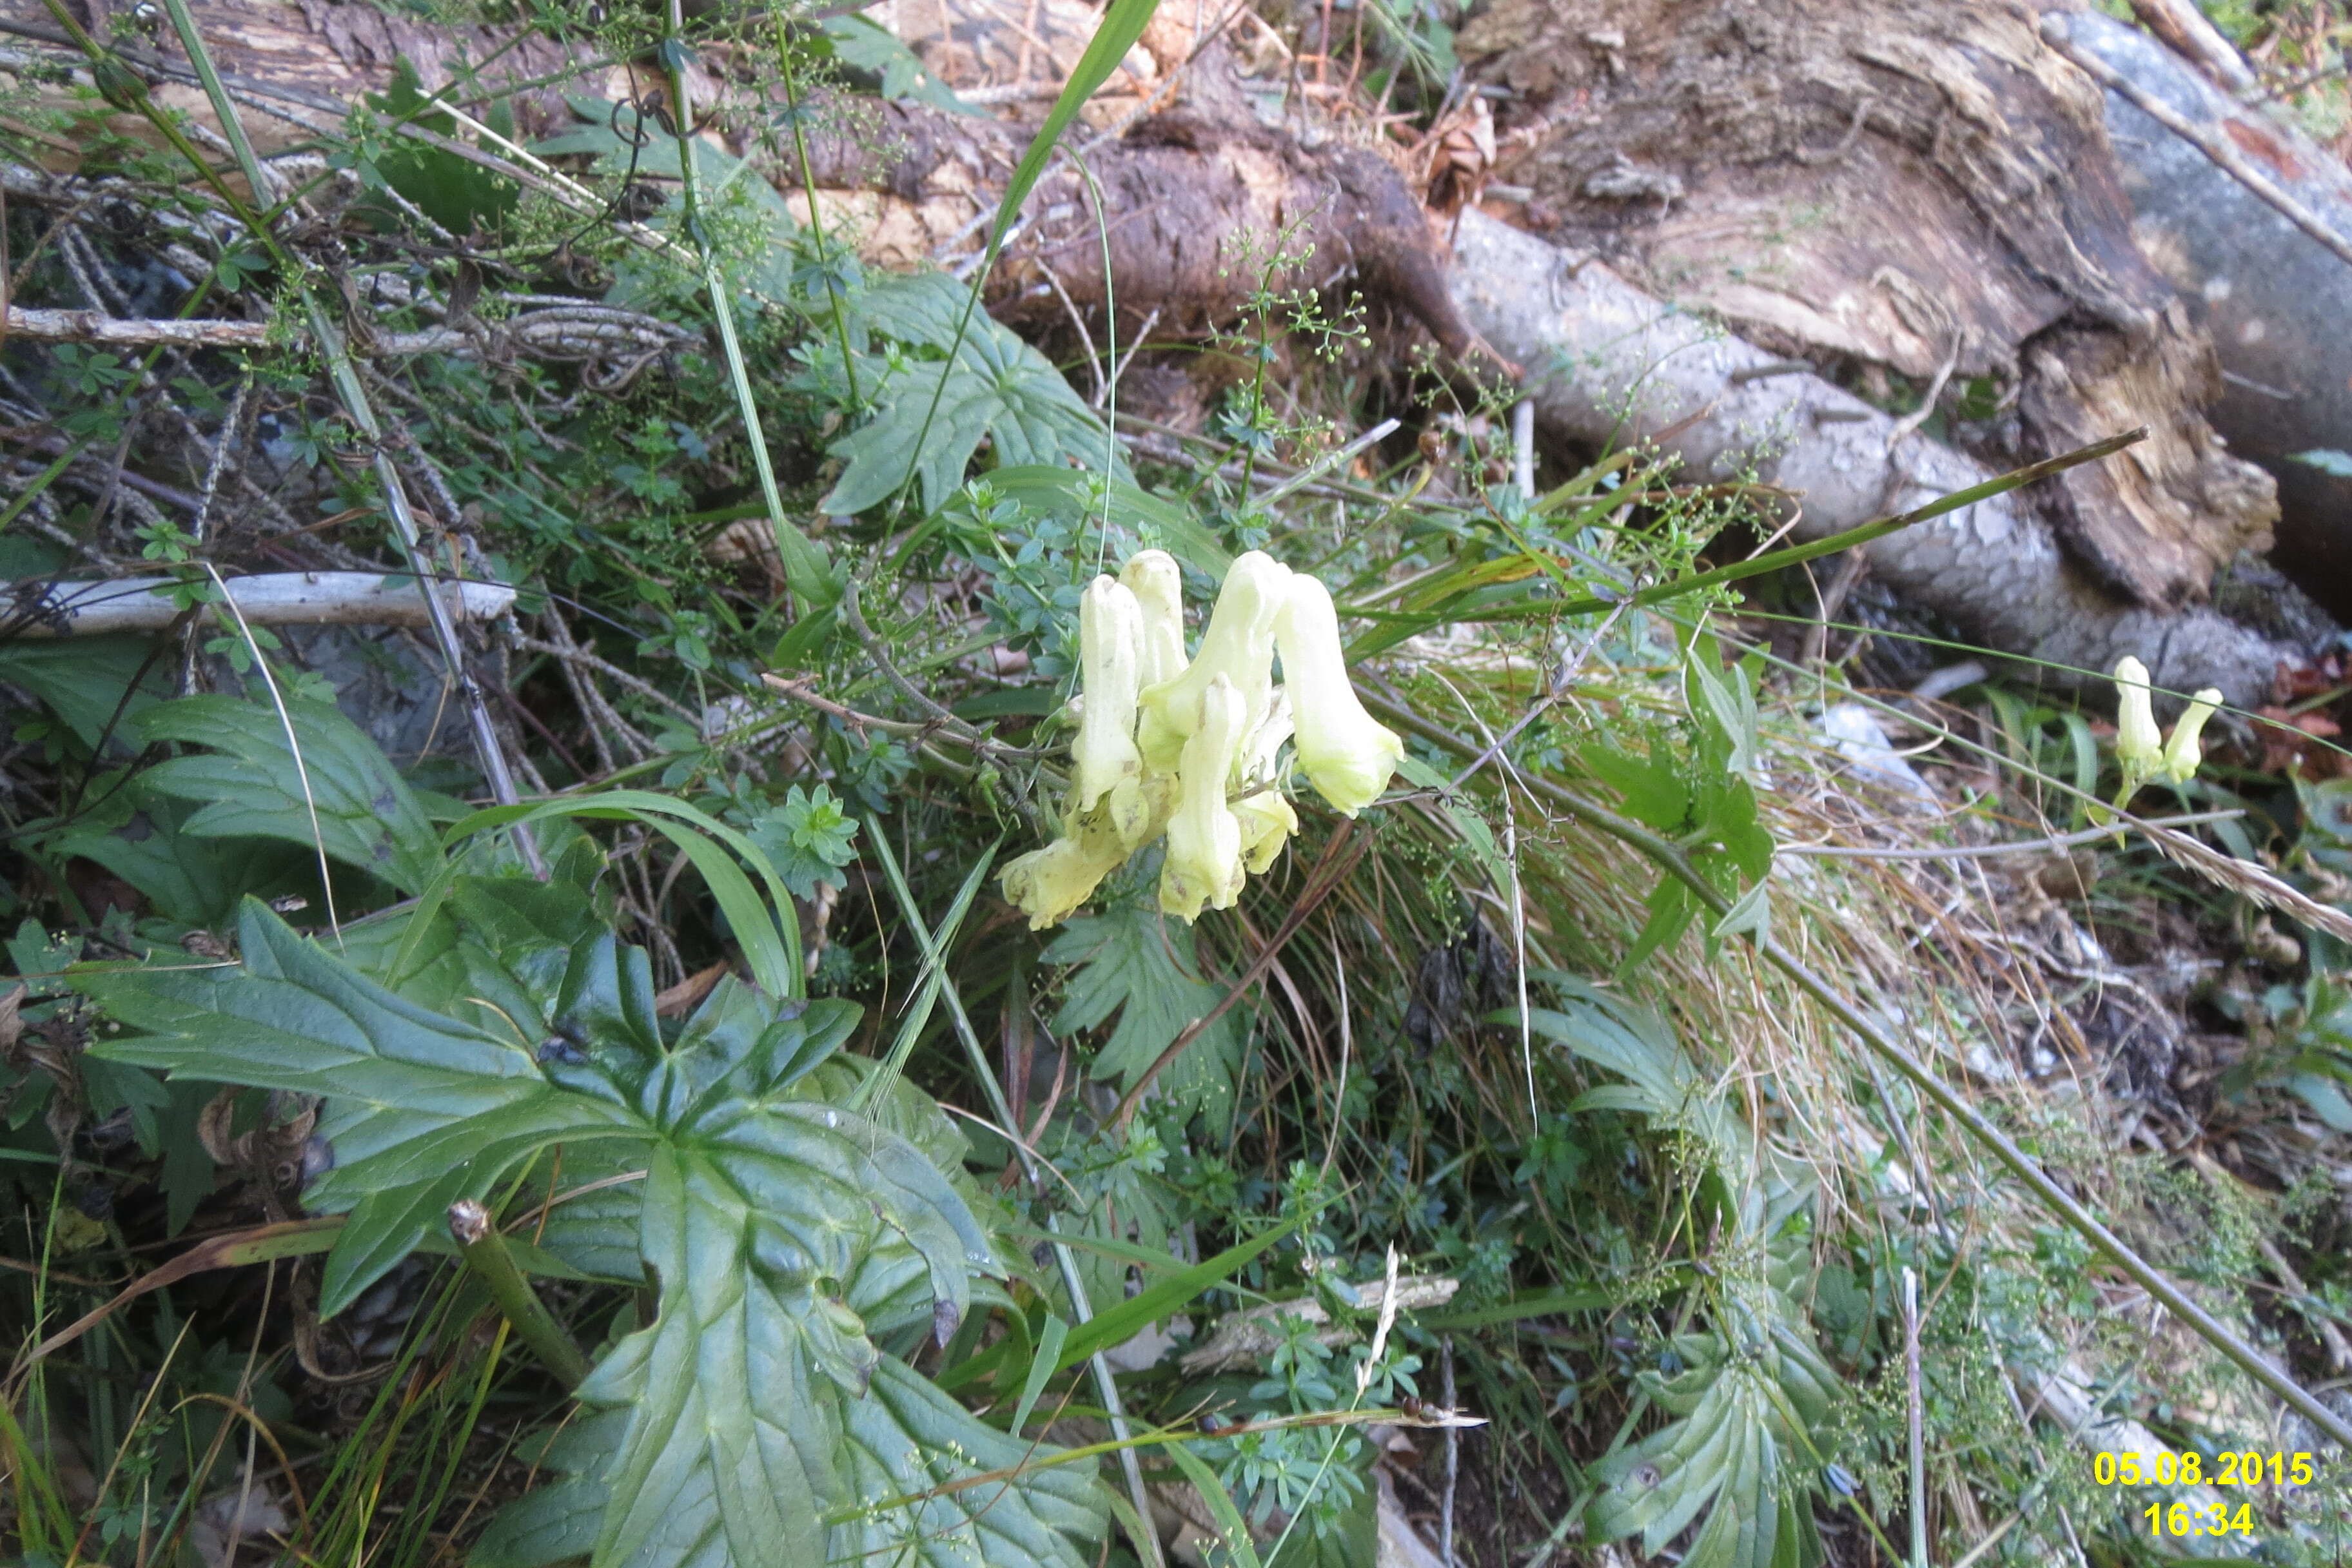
{"type": "Point", "coordinates": [805, 563]}
{"type": "Point", "coordinates": [484, 1248]}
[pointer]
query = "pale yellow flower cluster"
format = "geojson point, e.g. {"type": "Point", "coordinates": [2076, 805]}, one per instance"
{"type": "Point", "coordinates": [1193, 750]}
{"type": "Point", "coordinates": [2141, 745]}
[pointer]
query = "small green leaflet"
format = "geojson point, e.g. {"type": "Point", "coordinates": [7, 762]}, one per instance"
{"type": "Point", "coordinates": [996, 386]}
{"type": "Point", "coordinates": [1146, 970]}
{"type": "Point", "coordinates": [2328, 460]}
{"type": "Point", "coordinates": [865, 44]}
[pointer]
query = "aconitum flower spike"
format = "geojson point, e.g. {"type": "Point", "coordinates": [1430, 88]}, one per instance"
{"type": "Point", "coordinates": [2182, 753]}
{"type": "Point", "coordinates": [1104, 760]}
{"type": "Point", "coordinates": [1238, 646]}
{"type": "Point", "coordinates": [1348, 754]}
{"type": "Point", "coordinates": [1157, 584]}
{"type": "Point", "coordinates": [2139, 744]}
{"type": "Point", "coordinates": [1204, 839]}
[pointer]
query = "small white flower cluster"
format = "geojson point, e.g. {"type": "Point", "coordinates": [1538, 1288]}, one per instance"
{"type": "Point", "coordinates": [1193, 751]}
{"type": "Point", "coordinates": [2140, 746]}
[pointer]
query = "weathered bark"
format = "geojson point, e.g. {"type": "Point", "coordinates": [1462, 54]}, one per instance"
{"type": "Point", "coordinates": [2272, 298]}
{"type": "Point", "coordinates": [1920, 186]}
{"type": "Point", "coordinates": [1616, 364]}
{"type": "Point", "coordinates": [1190, 213]}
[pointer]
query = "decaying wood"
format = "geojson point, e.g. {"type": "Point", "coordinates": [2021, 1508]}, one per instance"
{"type": "Point", "coordinates": [2272, 297]}
{"type": "Point", "coordinates": [1915, 187]}
{"type": "Point", "coordinates": [1611, 362]}
{"type": "Point", "coordinates": [274, 599]}
{"type": "Point", "coordinates": [1192, 213]}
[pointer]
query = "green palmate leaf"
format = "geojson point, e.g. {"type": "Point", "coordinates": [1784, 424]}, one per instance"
{"type": "Point", "coordinates": [755, 1415]}
{"type": "Point", "coordinates": [1146, 970]}
{"type": "Point", "coordinates": [139, 832]}
{"type": "Point", "coordinates": [421, 1110]}
{"type": "Point", "coordinates": [996, 386]}
{"type": "Point", "coordinates": [89, 682]}
{"type": "Point", "coordinates": [248, 786]}
{"type": "Point", "coordinates": [1740, 1453]}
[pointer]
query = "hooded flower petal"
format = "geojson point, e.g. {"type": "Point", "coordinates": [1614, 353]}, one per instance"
{"type": "Point", "coordinates": [2182, 753]}
{"type": "Point", "coordinates": [1049, 884]}
{"type": "Point", "coordinates": [1267, 822]}
{"type": "Point", "coordinates": [1238, 646]}
{"type": "Point", "coordinates": [1204, 838]}
{"type": "Point", "coordinates": [1157, 584]}
{"type": "Point", "coordinates": [1347, 754]}
{"type": "Point", "coordinates": [2139, 744]}
{"type": "Point", "coordinates": [1110, 660]}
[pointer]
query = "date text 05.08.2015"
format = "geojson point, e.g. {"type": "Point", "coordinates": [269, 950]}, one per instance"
{"type": "Point", "coordinates": [2250, 1468]}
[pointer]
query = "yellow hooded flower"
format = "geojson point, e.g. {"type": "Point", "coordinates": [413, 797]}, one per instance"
{"type": "Point", "coordinates": [1157, 584]}
{"type": "Point", "coordinates": [1238, 646]}
{"type": "Point", "coordinates": [2182, 753]}
{"type": "Point", "coordinates": [1204, 838]}
{"type": "Point", "coordinates": [1266, 817]}
{"type": "Point", "coordinates": [1049, 884]}
{"type": "Point", "coordinates": [1347, 754]}
{"type": "Point", "coordinates": [1104, 756]}
{"type": "Point", "coordinates": [2139, 744]}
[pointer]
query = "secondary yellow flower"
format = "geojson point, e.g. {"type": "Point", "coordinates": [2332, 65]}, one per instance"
{"type": "Point", "coordinates": [1238, 646]}
{"type": "Point", "coordinates": [1204, 863]}
{"type": "Point", "coordinates": [2139, 744]}
{"type": "Point", "coordinates": [1267, 818]}
{"type": "Point", "coordinates": [2182, 753]}
{"type": "Point", "coordinates": [1050, 885]}
{"type": "Point", "coordinates": [1348, 754]}
{"type": "Point", "coordinates": [1157, 584]}
{"type": "Point", "coordinates": [1110, 667]}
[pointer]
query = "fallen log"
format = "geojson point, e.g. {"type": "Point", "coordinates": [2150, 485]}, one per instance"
{"type": "Point", "coordinates": [2272, 297]}
{"type": "Point", "coordinates": [1916, 196]}
{"type": "Point", "coordinates": [275, 599]}
{"type": "Point", "coordinates": [1611, 364]}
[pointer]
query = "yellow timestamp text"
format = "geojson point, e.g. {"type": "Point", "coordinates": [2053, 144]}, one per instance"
{"type": "Point", "coordinates": [2182, 1519]}
{"type": "Point", "coordinates": [2249, 1469]}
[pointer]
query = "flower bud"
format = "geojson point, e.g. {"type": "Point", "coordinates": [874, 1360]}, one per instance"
{"type": "Point", "coordinates": [1238, 646]}
{"type": "Point", "coordinates": [2139, 744]}
{"type": "Point", "coordinates": [1104, 756]}
{"type": "Point", "coordinates": [1051, 884]}
{"type": "Point", "coordinates": [2182, 753]}
{"type": "Point", "coordinates": [1204, 838]}
{"type": "Point", "coordinates": [1157, 584]}
{"type": "Point", "coordinates": [1347, 754]}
